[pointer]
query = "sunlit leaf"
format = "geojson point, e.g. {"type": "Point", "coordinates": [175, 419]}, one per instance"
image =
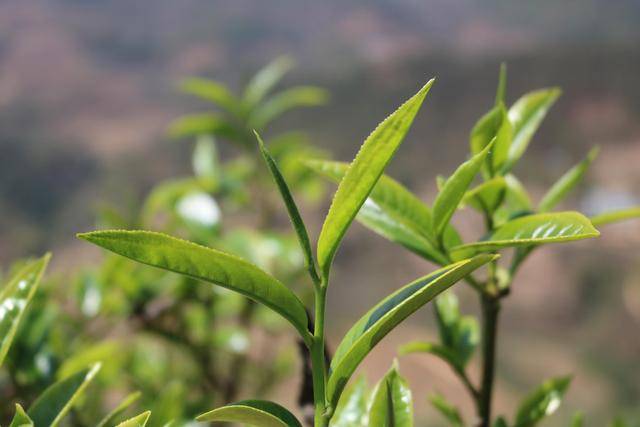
{"type": "Point", "coordinates": [448, 411]}
{"type": "Point", "coordinates": [265, 79]}
{"type": "Point", "coordinates": [110, 418]}
{"type": "Point", "coordinates": [392, 404]}
{"type": "Point", "coordinates": [386, 315]}
{"type": "Point", "coordinates": [615, 216]}
{"type": "Point", "coordinates": [280, 103]}
{"type": "Point", "coordinates": [202, 263]}
{"type": "Point", "coordinates": [566, 183]}
{"type": "Point", "coordinates": [526, 115]}
{"type": "Point", "coordinates": [259, 413]}
{"type": "Point", "coordinates": [211, 91]}
{"type": "Point", "coordinates": [536, 229]}
{"type": "Point", "coordinates": [20, 418]}
{"type": "Point", "coordinates": [352, 408]}
{"type": "Point", "coordinates": [362, 175]}
{"type": "Point", "coordinates": [137, 421]}
{"type": "Point", "coordinates": [543, 402]}
{"type": "Point", "coordinates": [56, 401]}
{"type": "Point", "coordinates": [14, 299]}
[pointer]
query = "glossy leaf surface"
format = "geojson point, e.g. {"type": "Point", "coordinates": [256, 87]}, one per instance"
{"type": "Point", "coordinates": [542, 402]}
{"type": "Point", "coordinates": [56, 401]}
{"type": "Point", "coordinates": [448, 411]}
{"type": "Point", "coordinates": [362, 175]}
{"type": "Point", "coordinates": [20, 418]}
{"type": "Point", "coordinates": [14, 299]}
{"type": "Point", "coordinates": [386, 315]}
{"type": "Point", "coordinates": [352, 408]}
{"type": "Point", "coordinates": [537, 229]}
{"type": "Point", "coordinates": [137, 421]}
{"type": "Point", "coordinates": [202, 263]}
{"type": "Point", "coordinates": [392, 404]}
{"type": "Point", "coordinates": [260, 413]}
{"type": "Point", "coordinates": [118, 410]}
{"type": "Point", "coordinates": [615, 216]}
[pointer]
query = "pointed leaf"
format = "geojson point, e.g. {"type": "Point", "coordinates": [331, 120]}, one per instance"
{"type": "Point", "coordinates": [351, 410]}
{"type": "Point", "coordinates": [487, 196]}
{"type": "Point", "coordinates": [206, 264]}
{"type": "Point", "coordinates": [292, 210]}
{"type": "Point", "coordinates": [56, 401]}
{"type": "Point", "coordinates": [566, 183]}
{"type": "Point", "coordinates": [447, 410]}
{"type": "Point", "coordinates": [14, 299]}
{"type": "Point", "coordinates": [362, 175]}
{"type": "Point", "coordinates": [493, 125]}
{"type": "Point", "coordinates": [137, 421]}
{"type": "Point", "coordinates": [211, 91]}
{"type": "Point", "coordinates": [500, 422]}
{"type": "Point", "coordinates": [386, 315]}
{"type": "Point", "coordinates": [526, 115]}
{"type": "Point", "coordinates": [536, 229]}
{"type": "Point", "coordinates": [444, 353]}
{"type": "Point", "coordinates": [615, 216]}
{"type": "Point", "coordinates": [280, 103]}
{"type": "Point", "coordinates": [392, 404]}
{"type": "Point", "coordinates": [259, 413]}
{"type": "Point", "coordinates": [542, 402]}
{"type": "Point", "coordinates": [193, 125]}
{"type": "Point", "coordinates": [454, 189]}
{"type": "Point", "coordinates": [118, 410]}
{"type": "Point", "coordinates": [265, 79]}
{"type": "Point", "coordinates": [502, 84]}
{"type": "Point", "coordinates": [21, 419]}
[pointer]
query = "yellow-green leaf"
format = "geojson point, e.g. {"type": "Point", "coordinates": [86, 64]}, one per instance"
{"type": "Point", "coordinates": [447, 410]}
{"type": "Point", "coordinates": [615, 216]}
{"type": "Point", "coordinates": [137, 421]}
{"type": "Point", "coordinates": [542, 402]}
{"type": "Point", "coordinates": [118, 410]}
{"type": "Point", "coordinates": [259, 413]}
{"type": "Point", "coordinates": [280, 103]}
{"type": "Point", "coordinates": [392, 404]}
{"type": "Point", "coordinates": [20, 418]}
{"type": "Point", "coordinates": [211, 91]}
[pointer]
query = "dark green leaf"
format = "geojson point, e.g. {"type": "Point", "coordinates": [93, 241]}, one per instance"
{"type": "Point", "coordinates": [265, 79]}
{"type": "Point", "coordinates": [566, 183]}
{"type": "Point", "coordinates": [386, 315]}
{"type": "Point", "coordinates": [14, 299]}
{"type": "Point", "coordinates": [542, 402]}
{"type": "Point", "coordinates": [392, 404]}
{"type": "Point", "coordinates": [362, 175]}
{"type": "Point", "coordinates": [259, 413]}
{"type": "Point", "coordinates": [56, 401]}
{"type": "Point", "coordinates": [500, 422]}
{"type": "Point", "coordinates": [280, 103]}
{"type": "Point", "coordinates": [447, 410]}
{"type": "Point", "coordinates": [615, 216]}
{"type": "Point", "coordinates": [21, 419]}
{"type": "Point", "coordinates": [352, 408]}
{"type": "Point", "coordinates": [137, 421]}
{"type": "Point", "coordinates": [110, 418]}
{"type": "Point", "coordinates": [210, 265]}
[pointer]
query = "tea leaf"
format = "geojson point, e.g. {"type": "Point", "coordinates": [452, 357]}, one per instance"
{"type": "Point", "coordinates": [494, 124]}
{"type": "Point", "coordinates": [577, 420]}
{"type": "Point", "coordinates": [362, 175]}
{"type": "Point", "coordinates": [536, 229]}
{"type": "Point", "coordinates": [118, 410]}
{"type": "Point", "coordinates": [615, 216]}
{"type": "Point", "coordinates": [20, 418]}
{"type": "Point", "coordinates": [137, 421]}
{"type": "Point", "coordinates": [386, 315]}
{"type": "Point", "coordinates": [487, 196]}
{"type": "Point", "coordinates": [56, 401]}
{"type": "Point", "coordinates": [206, 264]}
{"type": "Point", "coordinates": [15, 296]}
{"type": "Point", "coordinates": [445, 353]}
{"type": "Point", "coordinates": [292, 210]}
{"type": "Point", "coordinates": [265, 79]}
{"type": "Point", "coordinates": [260, 413]}
{"type": "Point", "coordinates": [351, 410]}
{"type": "Point", "coordinates": [542, 402]}
{"type": "Point", "coordinates": [211, 91]}
{"type": "Point", "coordinates": [280, 103]}
{"type": "Point", "coordinates": [193, 125]}
{"type": "Point", "coordinates": [566, 183]}
{"type": "Point", "coordinates": [502, 85]}
{"type": "Point", "coordinates": [526, 115]}
{"type": "Point", "coordinates": [392, 404]}
{"type": "Point", "coordinates": [447, 410]}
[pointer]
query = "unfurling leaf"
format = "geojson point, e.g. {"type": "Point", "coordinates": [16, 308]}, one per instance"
{"type": "Point", "coordinates": [392, 404]}
{"type": "Point", "coordinates": [362, 175]}
{"type": "Point", "coordinates": [259, 413]}
{"type": "Point", "coordinates": [137, 421]}
{"type": "Point", "coordinates": [118, 410]}
{"type": "Point", "coordinates": [543, 402]}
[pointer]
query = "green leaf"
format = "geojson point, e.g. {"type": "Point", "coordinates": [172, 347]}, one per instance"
{"type": "Point", "coordinates": [259, 413]}
{"type": "Point", "coordinates": [212, 91]}
{"type": "Point", "coordinates": [526, 115]}
{"type": "Point", "coordinates": [118, 410]}
{"type": "Point", "coordinates": [500, 422]}
{"type": "Point", "coordinates": [454, 189]}
{"type": "Point", "coordinates": [438, 350]}
{"type": "Point", "coordinates": [536, 229]}
{"type": "Point", "coordinates": [615, 216]}
{"type": "Point", "coordinates": [362, 175]}
{"type": "Point", "coordinates": [21, 419]}
{"type": "Point", "coordinates": [210, 265]}
{"type": "Point", "coordinates": [577, 420]}
{"type": "Point", "coordinates": [459, 334]}
{"type": "Point", "coordinates": [280, 103]}
{"type": "Point", "coordinates": [56, 401]}
{"type": "Point", "coordinates": [447, 410]}
{"type": "Point", "coordinates": [493, 125]}
{"type": "Point", "coordinates": [292, 210]}
{"type": "Point", "coordinates": [386, 315]}
{"type": "Point", "coordinates": [352, 408]}
{"type": "Point", "coordinates": [14, 299]}
{"type": "Point", "coordinates": [516, 201]}
{"type": "Point", "coordinates": [265, 79]}
{"type": "Point", "coordinates": [502, 85]}
{"type": "Point", "coordinates": [543, 402]}
{"type": "Point", "coordinates": [566, 183]}
{"type": "Point", "coordinates": [137, 421]}
{"type": "Point", "coordinates": [205, 159]}
{"type": "Point", "coordinates": [193, 125]}
{"type": "Point", "coordinates": [487, 196]}
{"type": "Point", "coordinates": [392, 404]}
{"type": "Point", "coordinates": [618, 422]}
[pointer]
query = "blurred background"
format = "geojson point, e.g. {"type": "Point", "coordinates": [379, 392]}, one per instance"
{"type": "Point", "coordinates": [88, 90]}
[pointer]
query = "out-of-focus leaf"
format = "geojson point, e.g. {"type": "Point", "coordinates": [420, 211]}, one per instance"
{"type": "Point", "coordinates": [448, 410]}
{"type": "Point", "coordinates": [265, 79]}
{"type": "Point", "coordinates": [210, 265]}
{"type": "Point", "coordinates": [386, 315]}
{"type": "Point", "coordinates": [205, 158]}
{"type": "Point", "coordinates": [577, 420]}
{"type": "Point", "coordinates": [493, 125]}
{"type": "Point", "coordinates": [500, 422]}
{"type": "Point", "coordinates": [615, 216]}
{"type": "Point", "coordinates": [618, 422]}
{"type": "Point", "coordinates": [137, 421]}
{"type": "Point", "coordinates": [193, 125]}
{"type": "Point", "coordinates": [445, 353]}
{"type": "Point", "coordinates": [211, 91]}
{"type": "Point", "coordinates": [20, 418]}
{"type": "Point", "coordinates": [566, 183]}
{"type": "Point", "coordinates": [487, 196]}
{"type": "Point", "coordinates": [105, 350]}
{"type": "Point", "coordinates": [502, 85]}
{"type": "Point", "coordinates": [536, 229]}
{"type": "Point", "coordinates": [543, 402]}
{"type": "Point", "coordinates": [516, 201]}
{"type": "Point", "coordinates": [453, 191]}
{"type": "Point", "coordinates": [292, 210]}
{"type": "Point", "coordinates": [280, 103]}
{"type": "Point", "coordinates": [259, 413]}
{"type": "Point", "coordinates": [362, 175]}
{"type": "Point", "coordinates": [14, 299]}
{"type": "Point", "coordinates": [110, 418]}
{"type": "Point", "coordinates": [56, 401]}
{"type": "Point", "coordinates": [526, 115]}
{"type": "Point", "coordinates": [392, 404]}
{"type": "Point", "coordinates": [352, 408]}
